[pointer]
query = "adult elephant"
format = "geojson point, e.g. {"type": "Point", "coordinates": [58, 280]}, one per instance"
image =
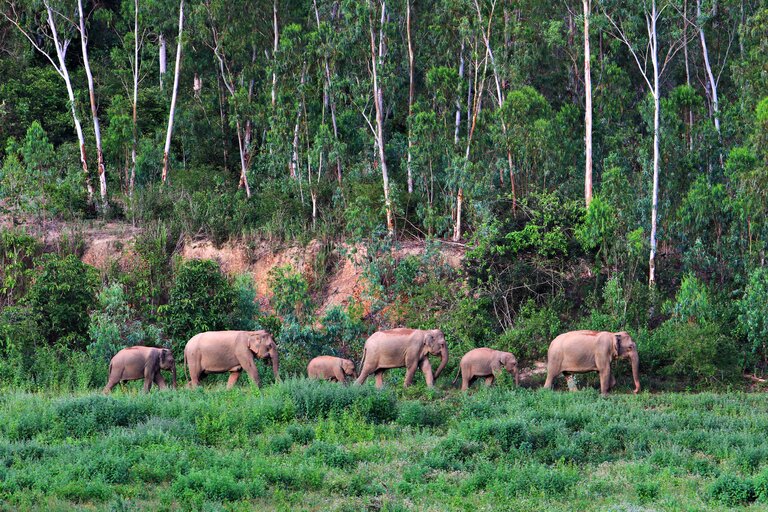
{"type": "Point", "coordinates": [589, 351]}
{"type": "Point", "coordinates": [229, 351]}
{"type": "Point", "coordinates": [398, 348]}
{"type": "Point", "coordinates": [485, 362]}
{"type": "Point", "coordinates": [331, 368]}
{"type": "Point", "coordinates": [139, 362]}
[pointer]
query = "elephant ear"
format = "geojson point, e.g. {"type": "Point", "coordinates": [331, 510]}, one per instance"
{"type": "Point", "coordinates": [164, 356]}
{"type": "Point", "coordinates": [616, 349]}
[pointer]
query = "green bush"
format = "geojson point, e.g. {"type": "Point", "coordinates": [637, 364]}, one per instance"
{"type": "Point", "coordinates": [61, 296]}
{"type": "Point", "coordinates": [731, 490]}
{"type": "Point", "coordinates": [416, 414]}
{"type": "Point", "coordinates": [331, 454]}
{"type": "Point", "coordinates": [201, 299]}
{"type": "Point", "coordinates": [753, 318]}
{"type": "Point", "coordinates": [534, 328]}
{"type": "Point", "coordinates": [313, 399]}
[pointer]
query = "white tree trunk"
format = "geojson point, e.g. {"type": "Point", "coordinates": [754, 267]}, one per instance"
{"type": "Point", "coordinates": [377, 100]}
{"type": "Point", "coordinates": [243, 164]}
{"type": "Point", "coordinates": [163, 65]}
{"type": "Point", "coordinates": [458, 100]}
{"type": "Point", "coordinates": [410, 93]}
{"type": "Point", "coordinates": [587, 107]}
{"type": "Point", "coordinates": [710, 75]}
{"type": "Point", "coordinates": [174, 94]}
{"type": "Point", "coordinates": [94, 114]}
{"type": "Point", "coordinates": [61, 51]}
{"type": "Point", "coordinates": [294, 165]}
{"type": "Point", "coordinates": [135, 95]}
{"type": "Point", "coordinates": [656, 111]}
{"type": "Point", "coordinates": [275, 44]}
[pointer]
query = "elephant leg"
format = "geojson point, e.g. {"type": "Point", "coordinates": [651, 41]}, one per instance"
{"type": "Point", "coordinates": [364, 373]}
{"type": "Point", "coordinates": [552, 374]}
{"type": "Point", "coordinates": [605, 381]}
{"type": "Point", "coordinates": [379, 379]}
{"type": "Point", "coordinates": [160, 381]}
{"type": "Point", "coordinates": [148, 383]}
{"type": "Point", "coordinates": [426, 367]}
{"type": "Point", "coordinates": [410, 372]}
{"type": "Point", "coordinates": [232, 379]}
{"type": "Point", "coordinates": [110, 384]}
{"type": "Point", "coordinates": [339, 375]}
{"type": "Point", "coordinates": [489, 380]}
{"type": "Point", "coordinates": [250, 368]}
{"type": "Point", "coordinates": [466, 380]}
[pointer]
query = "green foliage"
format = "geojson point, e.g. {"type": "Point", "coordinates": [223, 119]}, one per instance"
{"type": "Point", "coordinates": [246, 309]}
{"type": "Point", "coordinates": [534, 328]}
{"type": "Point", "coordinates": [200, 299]}
{"type": "Point", "coordinates": [753, 318]}
{"type": "Point", "coordinates": [62, 294]}
{"type": "Point", "coordinates": [598, 227]}
{"type": "Point", "coordinates": [731, 490]}
{"type": "Point", "coordinates": [290, 294]}
{"type": "Point", "coordinates": [17, 253]}
{"type": "Point", "coordinates": [114, 325]}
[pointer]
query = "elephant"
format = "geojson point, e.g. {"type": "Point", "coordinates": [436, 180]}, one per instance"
{"type": "Point", "coordinates": [229, 351]}
{"type": "Point", "coordinates": [331, 368]}
{"type": "Point", "coordinates": [485, 362]}
{"type": "Point", "coordinates": [398, 348]}
{"type": "Point", "coordinates": [139, 362]}
{"type": "Point", "coordinates": [589, 351]}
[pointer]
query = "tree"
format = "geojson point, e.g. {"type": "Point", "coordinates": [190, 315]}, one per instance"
{"type": "Point", "coordinates": [587, 4]}
{"type": "Point", "coordinates": [172, 112]}
{"type": "Point", "coordinates": [652, 79]}
{"type": "Point", "coordinates": [60, 44]}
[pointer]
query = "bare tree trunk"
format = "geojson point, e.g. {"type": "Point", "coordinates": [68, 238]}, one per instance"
{"type": "Point", "coordinates": [294, 165]}
{"type": "Point", "coordinates": [687, 72]}
{"type": "Point", "coordinates": [656, 107]}
{"type": "Point", "coordinates": [587, 107]}
{"type": "Point", "coordinates": [162, 57]}
{"type": "Point", "coordinates": [377, 100]}
{"type": "Point", "coordinates": [275, 44]}
{"type": "Point", "coordinates": [410, 92]}
{"type": "Point", "coordinates": [92, 96]}
{"type": "Point", "coordinates": [458, 100]}
{"type": "Point", "coordinates": [175, 92]}
{"type": "Point", "coordinates": [243, 165]}
{"type": "Point", "coordinates": [134, 135]}
{"type": "Point", "coordinates": [328, 97]}
{"type": "Point", "coordinates": [61, 51]}
{"type": "Point", "coordinates": [710, 75]}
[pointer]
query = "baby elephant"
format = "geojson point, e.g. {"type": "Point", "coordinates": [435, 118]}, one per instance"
{"type": "Point", "coordinates": [136, 363]}
{"type": "Point", "coordinates": [485, 362]}
{"type": "Point", "coordinates": [331, 368]}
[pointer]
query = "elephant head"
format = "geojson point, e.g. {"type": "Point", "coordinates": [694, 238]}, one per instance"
{"type": "Point", "coordinates": [434, 343]}
{"type": "Point", "coordinates": [509, 363]}
{"type": "Point", "coordinates": [349, 368]}
{"type": "Point", "coordinates": [624, 347]}
{"type": "Point", "coordinates": [263, 346]}
{"type": "Point", "coordinates": [168, 363]}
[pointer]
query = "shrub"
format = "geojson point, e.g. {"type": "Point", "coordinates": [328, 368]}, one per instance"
{"type": "Point", "coordinates": [201, 299]}
{"type": "Point", "coordinates": [246, 309]}
{"type": "Point", "coordinates": [314, 399]}
{"type": "Point", "coordinates": [331, 454]}
{"type": "Point", "coordinates": [731, 490]}
{"type": "Point", "coordinates": [216, 485]}
{"type": "Point", "coordinates": [534, 328]}
{"type": "Point", "coordinates": [416, 414]}
{"type": "Point", "coordinates": [753, 317]}
{"type": "Point", "coordinates": [61, 296]}
{"type": "Point", "coordinates": [302, 434]}
{"type": "Point", "coordinates": [290, 293]}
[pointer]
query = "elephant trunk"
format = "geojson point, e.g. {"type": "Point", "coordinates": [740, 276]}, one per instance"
{"type": "Point", "coordinates": [635, 361]}
{"type": "Point", "coordinates": [443, 361]}
{"type": "Point", "coordinates": [173, 375]}
{"type": "Point", "coordinates": [275, 365]}
{"type": "Point", "coordinates": [517, 377]}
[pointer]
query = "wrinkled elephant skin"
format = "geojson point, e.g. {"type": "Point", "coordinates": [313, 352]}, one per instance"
{"type": "Point", "coordinates": [487, 363]}
{"type": "Point", "coordinates": [139, 362]}
{"type": "Point", "coordinates": [331, 368]}
{"type": "Point", "coordinates": [403, 348]}
{"type": "Point", "coordinates": [229, 351]}
{"type": "Point", "coordinates": [589, 351]}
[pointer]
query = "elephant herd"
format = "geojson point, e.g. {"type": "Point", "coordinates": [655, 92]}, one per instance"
{"type": "Point", "coordinates": [234, 351]}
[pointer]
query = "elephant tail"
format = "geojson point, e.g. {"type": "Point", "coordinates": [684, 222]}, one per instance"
{"type": "Point", "coordinates": [184, 365]}
{"type": "Point", "coordinates": [456, 378]}
{"type": "Point", "coordinates": [362, 361]}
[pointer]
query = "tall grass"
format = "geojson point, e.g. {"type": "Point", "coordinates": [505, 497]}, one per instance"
{"type": "Point", "coordinates": [317, 446]}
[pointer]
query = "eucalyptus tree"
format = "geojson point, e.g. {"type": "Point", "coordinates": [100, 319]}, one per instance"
{"type": "Point", "coordinates": [172, 111]}
{"type": "Point", "coordinates": [50, 32]}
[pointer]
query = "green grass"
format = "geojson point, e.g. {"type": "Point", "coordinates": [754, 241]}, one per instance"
{"type": "Point", "coordinates": [304, 445]}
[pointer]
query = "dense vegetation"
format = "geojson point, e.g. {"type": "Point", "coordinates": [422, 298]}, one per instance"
{"type": "Point", "coordinates": [364, 126]}
{"type": "Point", "coordinates": [304, 446]}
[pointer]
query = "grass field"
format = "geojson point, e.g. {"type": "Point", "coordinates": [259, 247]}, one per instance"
{"type": "Point", "coordinates": [303, 445]}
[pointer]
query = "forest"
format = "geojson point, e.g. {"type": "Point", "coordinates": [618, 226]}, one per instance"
{"type": "Point", "coordinates": [503, 170]}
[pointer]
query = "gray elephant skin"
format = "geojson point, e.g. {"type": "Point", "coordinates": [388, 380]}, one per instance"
{"type": "Point", "coordinates": [139, 362]}
{"type": "Point", "coordinates": [487, 363]}
{"type": "Point", "coordinates": [403, 348]}
{"type": "Point", "coordinates": [589, 351]}
{"type": "Point", "coordinates": [229, 351]}
{"type": "Point", "coordinates": [331, 368]}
